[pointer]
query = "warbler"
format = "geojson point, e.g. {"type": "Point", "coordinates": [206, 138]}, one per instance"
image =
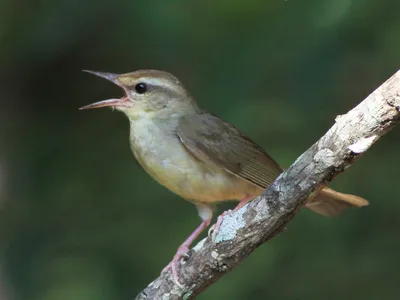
{"type": "Point", "coordinates": [195, 154]}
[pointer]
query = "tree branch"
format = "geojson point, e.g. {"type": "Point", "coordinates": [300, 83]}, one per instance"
{"type": "Point", "coordinates": [263, 218]}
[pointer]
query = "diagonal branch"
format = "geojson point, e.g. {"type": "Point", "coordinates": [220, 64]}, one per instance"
{"type": "Point", "coordinates": [263, 218]}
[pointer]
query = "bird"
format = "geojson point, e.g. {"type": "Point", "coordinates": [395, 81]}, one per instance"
{"type": "Point", "coordinates": [196, 154]}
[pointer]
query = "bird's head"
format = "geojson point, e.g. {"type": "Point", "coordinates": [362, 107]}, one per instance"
{"type": "Point", "coordinates": [147, 93]}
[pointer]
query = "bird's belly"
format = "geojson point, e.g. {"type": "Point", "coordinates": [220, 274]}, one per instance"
{"type": "Point", "coordinates": [168, 162]}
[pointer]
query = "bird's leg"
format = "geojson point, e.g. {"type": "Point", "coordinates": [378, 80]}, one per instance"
{"type": "Point", "coordinates": [213, 231]}
{"type": "Point", "coordinates": [243, 202]}
{"type": "Point", "coordinates": [205, 213]}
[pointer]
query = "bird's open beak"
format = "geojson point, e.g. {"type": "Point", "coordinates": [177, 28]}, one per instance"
{"type": "Point", "coordinates": [122, 102]}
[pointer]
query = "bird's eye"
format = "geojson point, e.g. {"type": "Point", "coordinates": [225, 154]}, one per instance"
{"type": "Point", "coordinates": [141, 88]}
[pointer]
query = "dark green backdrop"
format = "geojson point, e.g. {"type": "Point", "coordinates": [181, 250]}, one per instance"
{"type": "Point", "coordinates": [80, 220]}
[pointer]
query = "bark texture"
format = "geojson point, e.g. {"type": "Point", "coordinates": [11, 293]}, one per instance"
{"type": "Point", "coordinates": [263, 218]}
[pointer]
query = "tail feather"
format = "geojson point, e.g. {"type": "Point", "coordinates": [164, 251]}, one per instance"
{"type": "Point", "coordinates": [330, 203]}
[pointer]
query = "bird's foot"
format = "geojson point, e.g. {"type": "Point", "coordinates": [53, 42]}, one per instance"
{"type": "Point", "coordinates": [213, 231]}
{"type": "Point", "coordinates": [182, 251]}
{"type": "Point", "coordinates": [184, 248]}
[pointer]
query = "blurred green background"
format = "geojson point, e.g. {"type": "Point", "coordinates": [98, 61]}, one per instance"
{"type": "Point", "coordinates": [80, 220]}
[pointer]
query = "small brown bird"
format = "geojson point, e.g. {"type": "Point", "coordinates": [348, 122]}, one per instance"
{"type": "Point", "coordinates": [194, 153]}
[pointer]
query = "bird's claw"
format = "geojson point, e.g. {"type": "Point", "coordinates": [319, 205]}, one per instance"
{"type": "Point", "coordinates": [214, 229]}
{"type": "Point", "coordinates": [182, 252]}
{"type": "Point", "coordinates": [210, 231]}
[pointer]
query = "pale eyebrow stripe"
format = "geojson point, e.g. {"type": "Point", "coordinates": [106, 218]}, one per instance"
{"type": "Point", "coordinates": [166, 84]}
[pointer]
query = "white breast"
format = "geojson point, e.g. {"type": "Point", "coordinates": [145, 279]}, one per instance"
{"type": "Point", "coordinates": [160, 152]}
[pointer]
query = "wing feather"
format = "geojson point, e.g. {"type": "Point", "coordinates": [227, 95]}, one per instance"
{"type": "Point", "coordinates": [216, 142]}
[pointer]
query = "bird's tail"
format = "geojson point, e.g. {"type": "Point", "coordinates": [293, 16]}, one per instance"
{"type": "Point", "coordinates": [330, 203]}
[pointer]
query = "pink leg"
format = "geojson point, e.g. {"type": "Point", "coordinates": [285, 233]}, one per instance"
{"type": "Point", "coordinates": [205, 213]}
{"type": "Point", "coordinates": [215, 228]}
{"type": "Point", "coordinates": [243, 202]}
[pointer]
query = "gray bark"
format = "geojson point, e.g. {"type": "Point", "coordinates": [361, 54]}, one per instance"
{"type": "Point", "coordinates": [263, 218]}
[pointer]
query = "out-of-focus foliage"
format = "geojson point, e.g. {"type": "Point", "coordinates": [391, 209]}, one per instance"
{"type": "Point", "coordinates": [80, 220]}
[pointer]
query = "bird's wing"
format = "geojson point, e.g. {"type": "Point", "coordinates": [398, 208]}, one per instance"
{"type": "Point", "coordinates": [216, 142]}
